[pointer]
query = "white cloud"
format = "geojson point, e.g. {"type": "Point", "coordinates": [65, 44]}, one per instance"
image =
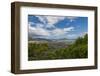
{"type": "Point", "coordinates": [38, 25]}
{"type": "Point", "coordinates": [72, 35]}
{"type": "Point", "coordinates": [71, 18]}
{"type": "Point", "coordinates": [50, 26]}
{"type": "Point", "coordinates": [37, 31]}
{"type": "Point", "coordinates": [31, 23]}
{"type": "Point", "coordinates": [57, 32]}
{"type": "Point", "coordinates": [69, 29]}
{"type": "Point", "coordinates": [41, 18]}
{"type": "Point", "coordinates": [50, 20]}
{"type": "Point", "coordinates": [53, 19]}
{"type": "Point", "coordinates": [40, 31]}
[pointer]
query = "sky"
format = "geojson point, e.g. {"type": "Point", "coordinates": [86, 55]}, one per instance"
{"type": "Point", "coordinates": [57, 27]}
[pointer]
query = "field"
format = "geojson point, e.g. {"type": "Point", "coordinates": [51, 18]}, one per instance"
{"type": "Point", "coordinates": [58, 49]}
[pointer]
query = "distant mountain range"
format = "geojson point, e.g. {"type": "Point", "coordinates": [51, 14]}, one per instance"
{"type": "Point", "coordinates": [44, 39]}
{"type": "Point", "coordinates": [41, 39]}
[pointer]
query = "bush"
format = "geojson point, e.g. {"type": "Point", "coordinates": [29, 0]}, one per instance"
{"type": "Point", "coordinates": [43, 51]}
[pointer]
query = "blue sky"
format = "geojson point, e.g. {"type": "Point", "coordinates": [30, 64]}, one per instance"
{"type": "Point", "coordinates": [57, 27]}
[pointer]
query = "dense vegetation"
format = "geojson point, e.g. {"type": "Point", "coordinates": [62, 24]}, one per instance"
{"type": "Point", "coordinates": [43, 51]}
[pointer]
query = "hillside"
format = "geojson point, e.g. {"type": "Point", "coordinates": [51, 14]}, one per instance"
{"type": "Point", "coordinates": [58, 50]}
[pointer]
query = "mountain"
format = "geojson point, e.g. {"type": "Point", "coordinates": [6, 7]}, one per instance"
{"type": "Point", "coordinates": [40, 39]}
{"type": "Point", "coordinates": [53, 40]}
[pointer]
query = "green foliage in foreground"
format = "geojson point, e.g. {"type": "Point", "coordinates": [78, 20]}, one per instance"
{"type": "Point", "coordinates": [43, 51]}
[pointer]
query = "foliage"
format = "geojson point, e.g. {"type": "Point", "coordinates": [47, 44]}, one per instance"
{"type": "Point", "coordinates": [43, 51]}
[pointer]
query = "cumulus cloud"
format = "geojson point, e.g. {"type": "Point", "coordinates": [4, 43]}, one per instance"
{"type": "Point", "coordinates": [53, 19]}
{"type": "Point", "coordinates": [42, 19]}
{"type": "Point", "coordinates": [50, 26]}
{"type": "Point", "coordinates": [40, 31]}
{"type": "Point", "coordinates": [72, 35]}
{"type": "Point", "coordinates": [31, 23]}
{"type": "Point", "coordinates": [69, 29]}
{"type": "Point", "coordinates": [71, 18]}
{"type": "Point", "coordinates": [57, 32]}
{"type": "Point", "coordinates": [50, 20]}
{"type": "Point", "coordinates": [37, 31]}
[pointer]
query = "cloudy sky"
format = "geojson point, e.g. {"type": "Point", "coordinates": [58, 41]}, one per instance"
{"type": "Point", "coordinates": [56, 27]}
